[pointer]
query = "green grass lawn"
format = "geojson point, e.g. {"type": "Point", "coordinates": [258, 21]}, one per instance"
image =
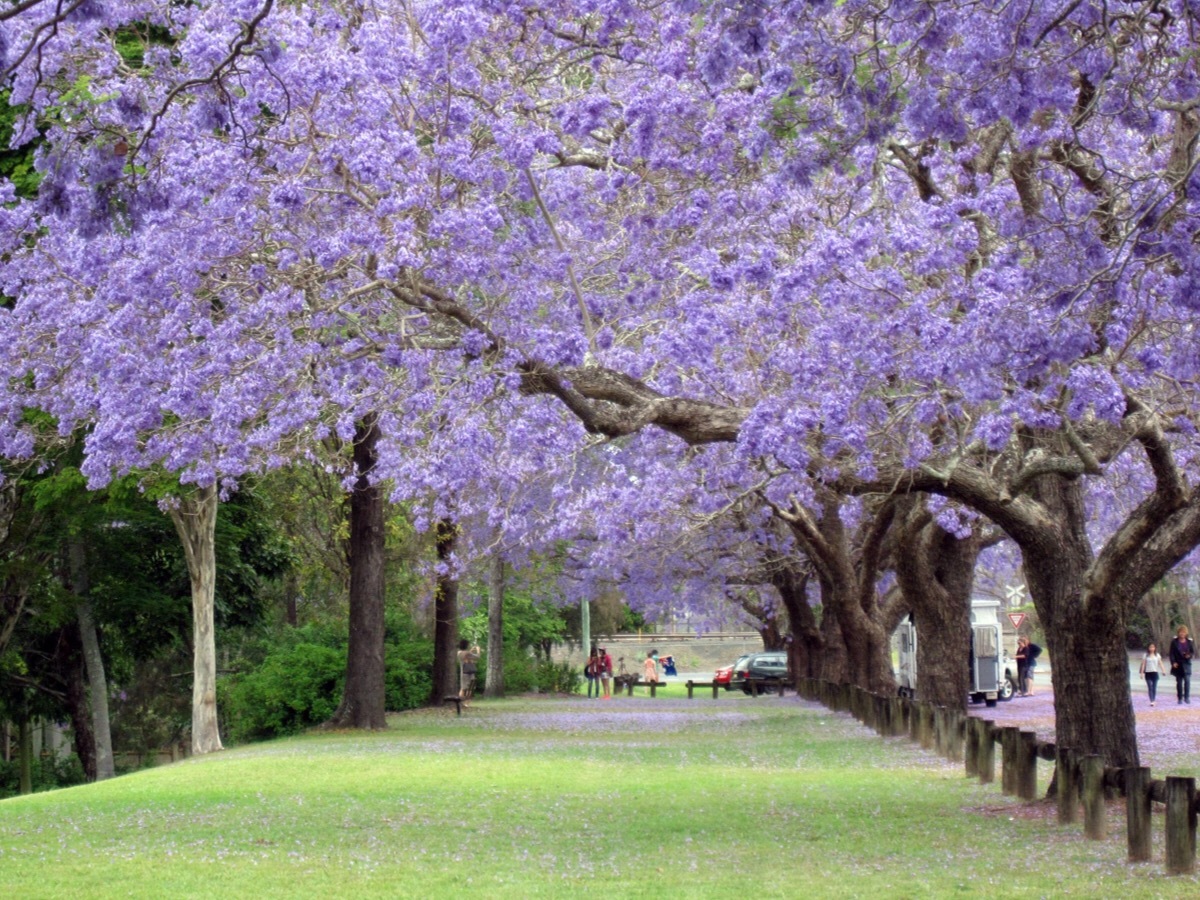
{"type": "Point", "coordinates": [636, 797]}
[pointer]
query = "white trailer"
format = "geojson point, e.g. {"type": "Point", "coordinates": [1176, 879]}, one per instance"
{"type": "Point", "coordinates": [993, 675]}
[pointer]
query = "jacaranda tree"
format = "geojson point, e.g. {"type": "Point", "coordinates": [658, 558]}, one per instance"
{"type": "Point", "coordinates": [878, 247]}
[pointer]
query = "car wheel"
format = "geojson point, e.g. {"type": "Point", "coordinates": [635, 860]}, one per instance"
{"type": "Point", "coordinates": [1007, 688]}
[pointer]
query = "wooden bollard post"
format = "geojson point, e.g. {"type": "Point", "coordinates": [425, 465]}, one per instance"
{"type": "Point", "coordinates": [954, 735]}
{"type": "Point", "coordinates": [971, 759]}
{"type": "Point", "coordinates": [1181, 825]}
{"type": "Point", "coordinates": [925, 734]}
{"type": "Point", "coordinates": [987, 750]}
{"type": "Point", "coordinates": [1095, 813]}
{"type": "Point", "coordinates": [690, 686]}
{"type": "Point", "coordinates": [1137, 812]}
{"type": "Point", "coordinates": [1026, 785]}
{"type": "Point", "coordinates": [1008, 759]}
{"type": "Point", "coordinates": [653, 688]}
{"type": "Point", "coordinates": [913, 713]}
{"type": "Point", "coordinates": [716, 688]}
{"type": "Point", "coordinates": [1066, 775]}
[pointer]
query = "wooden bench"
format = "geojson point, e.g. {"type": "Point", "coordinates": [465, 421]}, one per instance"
{"type": "Point", "coordinates": [456, 700]}
{"type": "Point", "coordinates": [653, 685]}
{"type": "Point", "coordinates": [702, 684]}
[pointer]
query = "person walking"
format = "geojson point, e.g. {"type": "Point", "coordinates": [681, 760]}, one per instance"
{"type": "Point", "coordinates": [1150, 669]}
{"type": "Point", "coordinates": [1181, 653]}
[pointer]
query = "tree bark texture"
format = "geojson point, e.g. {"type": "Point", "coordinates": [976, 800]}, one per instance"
{"type": "Point", "coordinates": [445, 615]}
{"type": "Point", "coordinates": [93, 660]}
{"type": "Point", "coordinates": [70, 663]}
{"type": "Point", "coordinates": [363, 698]}
{"type": "Point", "coordinates": [195, 520]}
{"type": "Point", "coordinates": [494, 685]}
{"type": "Point", "coordinates": [856, 649]}
{"type": "Point", "coordinates": [804, 649]}
{"type": "Point", "coordinates": [1085, 632]}
{"type": "Point", "coordinates": [25, 756]}
{"type": "Point", "coordinates": [936, 572]}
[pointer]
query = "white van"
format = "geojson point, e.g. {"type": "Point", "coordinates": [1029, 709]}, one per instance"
{"type": "Point", "coordinates": [993, 675]}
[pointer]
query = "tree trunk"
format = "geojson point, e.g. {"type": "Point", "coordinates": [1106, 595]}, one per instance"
{"type": "Point", "coordinates": [71, 668]}
{"type": "Point", "coordinates": [25, 755]}
{"type": "Point", "coordinates": [804, 649]}
{"type": "Point", "coordinates": [856, 649]}
{"type": "Point", "coordinates": [195, 521]}
{"type": "Point", "coordinates": [936, 573]}
{"type": "Point", "coordinates": [291, 613]}
{"type": "Point", "coordinates": [494, 686]}
{"type": "Point", "coordinates": [1085, 633]}
{"type": "Point", "coordinates": [445, 612]}
{"type": "Point", "coordinates": [98, 690]}
{"type": "Point", "coordinates": [363, 699]}
{"type": "Point", "coordinates": [92, 659]}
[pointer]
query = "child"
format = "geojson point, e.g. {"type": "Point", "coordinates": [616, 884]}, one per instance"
{"type": "Point", "coordinates": [1150, 669]}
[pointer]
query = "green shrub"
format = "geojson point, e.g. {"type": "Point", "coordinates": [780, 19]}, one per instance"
{"type": "Point", "coordinates": [409, 681]}
{"type": "Point", "coordinates": [557, 678]}
{"type": "Point", "coordinates": [296, 687]}
{"type": "Point", "coordinates": [47, 773]}
{"type": "Point", "coordinates": [520, 672]}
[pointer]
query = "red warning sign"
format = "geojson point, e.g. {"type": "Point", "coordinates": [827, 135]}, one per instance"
{"type": "Point", "coordinates": [1016, 619]}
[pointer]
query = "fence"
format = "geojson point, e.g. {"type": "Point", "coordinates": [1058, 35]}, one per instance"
{"type": "Point", "coordinates": [1083, 780]}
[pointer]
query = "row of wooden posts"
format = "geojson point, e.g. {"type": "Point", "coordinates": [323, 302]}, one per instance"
{"type": "Point", "coordinates": [1083, 781]}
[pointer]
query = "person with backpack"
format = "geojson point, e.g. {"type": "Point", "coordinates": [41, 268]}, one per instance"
{"type": "Point", "coordinates": [591, 671]}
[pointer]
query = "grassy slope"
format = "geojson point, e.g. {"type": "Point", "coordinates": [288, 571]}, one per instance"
{"type": "Point", "coordinates": [522, 798]}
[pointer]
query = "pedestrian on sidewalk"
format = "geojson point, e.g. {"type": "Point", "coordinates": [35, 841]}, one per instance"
{"type": "Point", "coordinates": [1181, 653]}
{"type": "Point", "coordinates": [1150, 669]}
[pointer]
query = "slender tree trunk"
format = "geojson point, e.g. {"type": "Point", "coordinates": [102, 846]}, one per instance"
{"type": "Point", "coordinates": [363, 699]}
{"type": "Point", "coordinates": [494, 686]}
{"type": "Point", "coordinates": [93, 660]}
{"type": "Point", "coordinates": [291, 613]}
{"type": "Point", "coordinates": [25, 755]}
{"type": "Point", "coordinates": [78, 708]}
{"type": "Point", "coordinates": [98, 690]}
{"type": "Point", "coordinates": [445, 612]}
{"type": "Point", "coordinates": [195, 521]}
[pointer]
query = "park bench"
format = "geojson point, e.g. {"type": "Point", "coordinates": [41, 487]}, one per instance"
{"type": "Point", "coordinates": [630, 685]}
{"type": "Point", "coordinates": [780, 683]}
{"type": "Point", "coordinates": [456, 700]}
